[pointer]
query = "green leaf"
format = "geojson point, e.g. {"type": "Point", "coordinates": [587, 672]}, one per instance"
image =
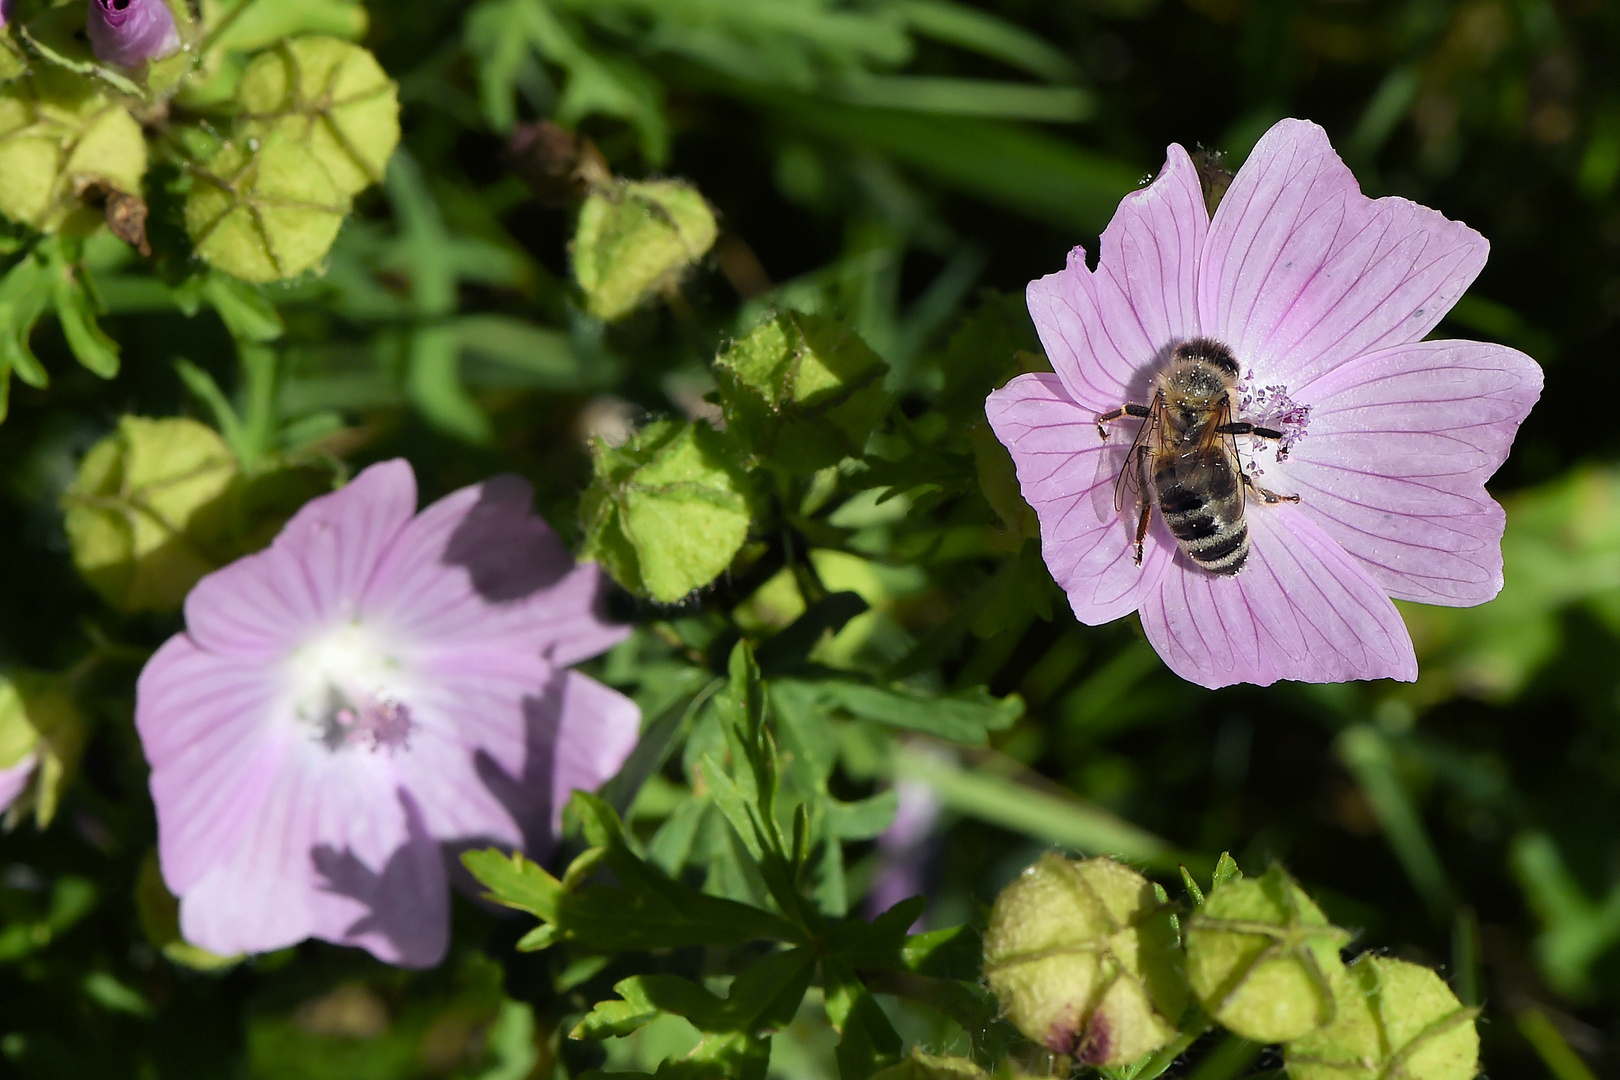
{"type": "Point", "coordinates": [1052, 818]}
{"type": "Point", "coordinates": [867, 1041]}
{"type": "Point", "coordinates": [243, 308]}
{"type": "Point", "coordinates": [75, 310]}
{"type": "Point", "coordinates": [502, 34]}
{"type": "Point", "coordinates": [763, 998]}
{"type": "Point", "coordinates": [966, 717]}
{"type": "Point", "coordinates": [1016, 166]}
{"type": "Point", "coordinates": [515, 882]}
{"type": "Point", "coordinates": [250, 25]}
{"type": "Point", "coordinates": [648, 909]}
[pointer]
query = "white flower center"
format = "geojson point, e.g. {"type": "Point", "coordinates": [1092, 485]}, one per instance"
{"type": "Point", "coordinates": [349, 691]}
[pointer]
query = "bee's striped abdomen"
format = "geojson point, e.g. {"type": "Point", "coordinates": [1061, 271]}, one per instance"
{"type": "Point", "coordinates": [1204, 511]}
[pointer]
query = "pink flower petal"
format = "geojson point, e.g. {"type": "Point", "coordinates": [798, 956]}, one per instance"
{"type": "Point", "coordinates": [312, 575]}
{"type": "Point", "coordinates": [204, 724]}
{"type": "Point", "coordinates": [14, 779]}
{"type": "Point", "coordinates": [336, 851]}
{"type": "Point", "coordinates": [532, 734]}
{"type": "Point", "coordinates": [1068, 474]}
{"type": "Point", "coordinates": [1302, 272]}
{"type": "Point", "coordinates": [1300, 609]}
{"type": "Point", "coordinates": [481, 565]}
{"type": "Point", "coordinates": [1103, 330]}
{"type": "Point", "coordinates": [1401, 443]}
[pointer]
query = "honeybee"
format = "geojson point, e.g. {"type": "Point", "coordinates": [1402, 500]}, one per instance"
{"type": "Point", "coordinates": [1185, 458]}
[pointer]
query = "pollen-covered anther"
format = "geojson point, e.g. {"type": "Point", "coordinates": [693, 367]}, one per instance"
{"type": "Point", "coordinates": [1270, 406]}
{"type": "Point", "coordinates": [381, 724]}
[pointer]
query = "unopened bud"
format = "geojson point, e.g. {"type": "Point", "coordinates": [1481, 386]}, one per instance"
{"type": "Point", "coordinates": [264, 211]}
{"type": "Point", "coordinates": [920, 1066]}
{"type": "Point", "coordinates": [135, 510]}
{"type": "Point", "coordinates": [41, 737]}
{"type": "Point", "coordinates": [803, 390]}
{"type": "Point", "coordinates": [334, 98]}
{"type": "Point", "coordinates": [1083, 958]}
{"type": "Point", "coordinates": [59, 139]}
{"type": "Point", "coordinates": [131, 32]}
{"type": "Point", "coordinates": [1391, 1019]}
{"type": "Point", "coordinates": [666, 512]}
{"type": "Point", "coordinates": [1262, 958]}
{"type": "Point", "coordinates": [635, 237]}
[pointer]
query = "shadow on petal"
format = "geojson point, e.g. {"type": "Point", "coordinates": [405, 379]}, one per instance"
{"type": "Point", "coordinates": [408, 921]}
{"type": "Point", "coordinates": [530, 796]}
{"type": "Point", "coordinates": [508, 551]}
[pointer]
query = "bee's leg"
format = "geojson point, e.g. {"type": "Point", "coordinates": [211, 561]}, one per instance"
{"type": "Point", "coordinates": [1267, 496]}
{"type": "Point", "coordinates": [1140, 411]}
{"type": "Point", "coordinates": [1244, 428]}
{"type": "Point", "coordinates": [1146, 516]}
{"type": "Point", "coordinates": [1142, 528]}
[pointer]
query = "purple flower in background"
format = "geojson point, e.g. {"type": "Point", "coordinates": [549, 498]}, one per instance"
{"type": "Point", "coordinates": [14, 779]}
{"type": "Point", "coordinates": [374, 688]}
{"type": "Point", "coordinates": [905, 849]}
{"type": "Point", "coordinates": [131, 32]}
{"type": "Point", "coordinates": [1322, 296]}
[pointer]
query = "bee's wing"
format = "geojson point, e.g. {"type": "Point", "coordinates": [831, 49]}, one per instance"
{"type": "Point", "coordinates": [1212, 444]}
{"type": "Point", "coordinates": [1128, 479]}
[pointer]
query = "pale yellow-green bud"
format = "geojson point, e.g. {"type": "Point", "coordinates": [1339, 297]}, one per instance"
{"type": "Point", "coordinates": [39, 719]}
{"type": "Point", "coordinates": [134, 510]}
{"type": "Point", "coordinates": [667, 512]}
{"type": "Point", "coordinates": [803, 390]}
{"type": "Point", "coordinates": [1392, 1021]}
{"type": "Point", "coordinates": [59, 138]}
{"type": "Point", "coordinates": [330, 95]}
{"type": "Point", "coordinates": [634, 237]}
{"type": "Point", "coordinates": [264, 211]}
{"type": "Point", "coordinates": [1262, 958]}
{"type": "Point", "coordinates": [1083, 957]}
{"type": "Point", "coordinates": [920, 1066]}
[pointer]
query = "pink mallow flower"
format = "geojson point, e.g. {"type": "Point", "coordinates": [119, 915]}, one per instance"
{"type": "Point", "coordinates": [131, 32]}
{"type": "Point", "coordinates": [372, 692]}
{"type": "Point", "coordinates": [1323, 297]}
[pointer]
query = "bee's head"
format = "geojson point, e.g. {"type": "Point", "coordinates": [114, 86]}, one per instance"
{"type": "Point", "coordinates": [1195, 386]}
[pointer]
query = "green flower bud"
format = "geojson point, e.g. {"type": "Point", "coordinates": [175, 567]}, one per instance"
{"type": "Point", "coordinates": [1083, 958]}
{"type": "Point", "coordinates": [133, 514]}
{"type": "Point", "coordinates": [331, 96]}
{"type": "Point", "coordinates": [1262, 958]}
{"type": "Point", "coordinates": [266, 210]}
{"type": "Point", "coordinates": [1391, 1019]}
{"type": "Point", "coordinates": [666, 513]}
{"type": "Point", "coordinates": [634, 237]}
{"type": "Point", "coordinates": [802, 389]}
{"type": "Point", "coordinates": [39, 717]}
{"type": "Point", "coordinates": [60, 137]}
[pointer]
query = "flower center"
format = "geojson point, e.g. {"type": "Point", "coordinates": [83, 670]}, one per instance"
{"type": "Point", "coordinates": [347, 689]}
{"type": "Point", "coordinates": [1270, 406]}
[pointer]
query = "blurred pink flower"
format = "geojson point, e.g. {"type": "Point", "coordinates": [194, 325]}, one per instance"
{"type": "Point", "coordinates": [131, 32]}
{"type": "Point", "coordinates": [1323, 296]}
{"type": "Point", "coordinates": [369, 693]}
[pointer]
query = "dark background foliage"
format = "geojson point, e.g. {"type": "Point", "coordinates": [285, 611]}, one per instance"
{"type": "Point", "coordinates": [1468, 822]}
